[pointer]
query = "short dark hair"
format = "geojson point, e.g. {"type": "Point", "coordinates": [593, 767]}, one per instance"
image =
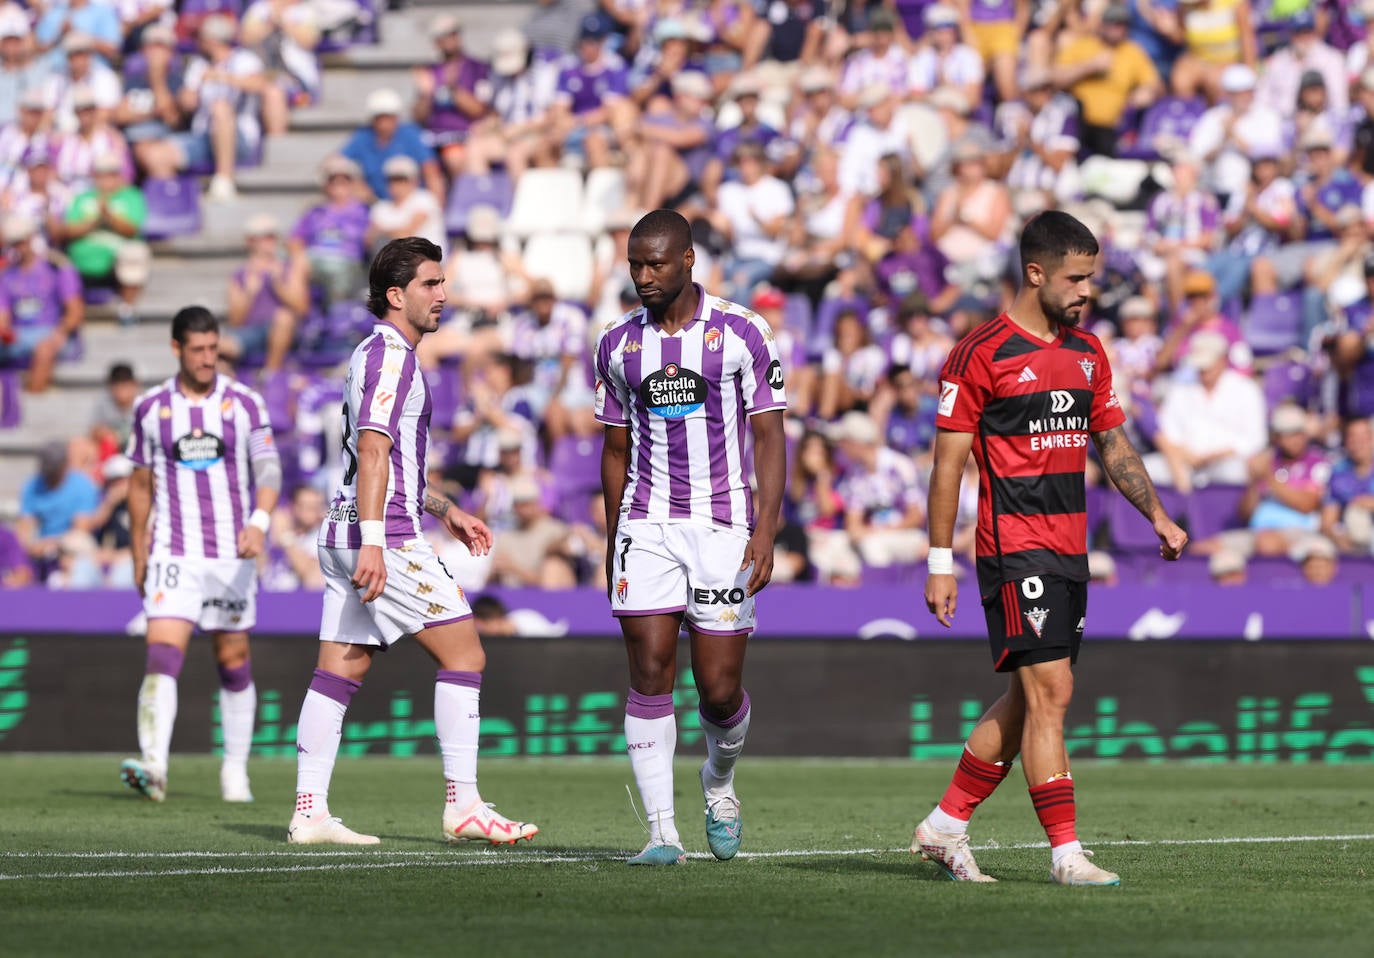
{"type": "Point", "coordinates": [193, 319]}
{"type": "Point", "coordinates": [396, 265]}
{"type": "Point", "coordinates": [668, 223]}
{"type": "Point", "coordinates": [1052, 235]}
{"type": "Point", "coordinates": [119, 373]}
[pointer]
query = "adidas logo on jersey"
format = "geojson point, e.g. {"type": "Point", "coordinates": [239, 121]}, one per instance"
{"type": "Point", "coordinates": [1027, 376]}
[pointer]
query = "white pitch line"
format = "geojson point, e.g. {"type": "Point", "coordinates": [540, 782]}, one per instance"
{"type": "Point", "coordinates": [449, 860]}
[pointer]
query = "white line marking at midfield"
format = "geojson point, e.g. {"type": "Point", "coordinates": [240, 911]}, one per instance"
{"type": "Point", "coordinates": [447, 859]}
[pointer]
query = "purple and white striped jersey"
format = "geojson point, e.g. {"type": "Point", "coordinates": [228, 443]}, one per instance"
{"type": "Point", "coordinates": [385, 391]}
{"type": "Point", "coordinates": [199, 452]}
{"type": "Point", "coordinates": [685, 399]}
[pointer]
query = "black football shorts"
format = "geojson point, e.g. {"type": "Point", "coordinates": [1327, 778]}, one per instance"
{"type": "Point", "coordinates": [1035, 619]}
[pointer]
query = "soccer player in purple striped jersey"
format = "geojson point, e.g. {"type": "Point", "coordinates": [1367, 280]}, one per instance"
{"type": "Point", "coordinates": [677, 381]}
{"type": "Point", "coordinates": [383, 580]}
{"type": "Point", "coordinates": [207, 473]}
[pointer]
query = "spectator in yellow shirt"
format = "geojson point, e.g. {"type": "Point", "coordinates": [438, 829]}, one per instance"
{"type": "Point", "coordinates": [1106, 73]}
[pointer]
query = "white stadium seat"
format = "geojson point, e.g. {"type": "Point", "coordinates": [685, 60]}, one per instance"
{"type": "Point", "coordinates": [602, 196]}
{"type": "Point", "coordinates": [546, 201]}
{"type": "Point", "coordinates": [564, 259]}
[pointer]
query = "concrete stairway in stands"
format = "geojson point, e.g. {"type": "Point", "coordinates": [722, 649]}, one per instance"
{"type": "Point", "coordinates": [196, 270]}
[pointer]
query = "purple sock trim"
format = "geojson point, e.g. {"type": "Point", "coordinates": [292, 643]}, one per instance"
{"type": "Point", "coordinates": [164, 659]}
{"type": "Point", "coordinates": [238, 678]}
{"type": "Point", "coordinates": [649, 706]}
{"type": "Point", "coordinates": [733, 720]}
{"type": "Point", "coordinates": [334, 686]}
{"type": "Point", "coordinates": [472, 680]}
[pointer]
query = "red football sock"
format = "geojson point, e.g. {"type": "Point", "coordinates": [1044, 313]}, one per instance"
{"type": "Point", "coordinates": [974, 780]}
{"type": "Point", "coordinates": [1055, 808]}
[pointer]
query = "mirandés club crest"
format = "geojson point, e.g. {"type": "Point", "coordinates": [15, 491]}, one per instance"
{"type": "Point", "coordinates": [1036, 617]}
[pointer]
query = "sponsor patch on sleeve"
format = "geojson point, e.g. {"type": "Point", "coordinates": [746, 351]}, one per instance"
{"type": "Point", "coordinates": [949, 392]}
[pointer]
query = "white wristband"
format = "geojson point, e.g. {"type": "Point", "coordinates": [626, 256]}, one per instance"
{"type": "Point", "coordinates": [374, 532]}
{"type": "Point", "coordinates": [260, 520]}
{"type": "Point", "coordinates": [940, 561]}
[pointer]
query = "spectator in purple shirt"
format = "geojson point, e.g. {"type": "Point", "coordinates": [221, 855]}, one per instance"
{"type": "Point", "coordinates": [593, 109]}
{"type": "Point", "coordinates": [333, 235]}
{"type": "Point", "coordinates": [915, 268]}
{"type": "Point", "coordinates": [451, 95]}
{"type": "Point", "coordinates": [268, 297]}
{"type": "Point", "coordinates": [40, 304]}
{"type": "Point", "coordinates": [1348, 512]}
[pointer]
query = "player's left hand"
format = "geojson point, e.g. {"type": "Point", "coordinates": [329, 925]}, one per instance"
{"type": "Point", "coordinates": [759, 553]}
{"type": "Point", "coordinates": [1172, 539]}
{"type": "Point", "coordinates": [251, 542]}
{"type": "Point", "coordinates": [469, 530]}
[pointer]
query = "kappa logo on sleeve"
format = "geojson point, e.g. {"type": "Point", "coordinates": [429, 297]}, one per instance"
{"type": "Point", "coordinates": [949, 393]}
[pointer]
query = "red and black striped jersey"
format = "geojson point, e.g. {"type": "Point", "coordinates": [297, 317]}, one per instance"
{"type": "Point", "coordinates": [1032, 406]}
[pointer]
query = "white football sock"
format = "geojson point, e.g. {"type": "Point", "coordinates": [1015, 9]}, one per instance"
{"type": "Point", "coordinates": [317, 739]}
{"type": "Point", "coordinates": [723, 745]}
{"type": "Point", "coordinates": [651, 740]}
{"type": "Point", "coordinates": [458, 725]}
{"type": "Point", "coordinates": [157, 714]}
{"type": "Point", "coordinates": [236, 713]}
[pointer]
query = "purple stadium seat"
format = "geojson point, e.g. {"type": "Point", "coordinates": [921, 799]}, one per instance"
{"type": "Point", "coordinates": [1213, 509]}
{"type": "Point", "coordinates": [897, 574]}
{"type": "Point", "coordinates": [190, 13]}
{"type": "Point", "coordinates": [575, 462]}
{"type": "Point", "coordinates": [173, 208]}
{"type": "Point", "coordinates": [1130, 531]}
{"type": "Point", "coordinates": [10, 413]}
{"type": "Point", "coordinates": [797, 315]}
{"type": "Point", "coordinates": [494, 190]}
{"type": "Point", "coordinates": [279, 394]}
{"type": "Point", "coordinates": [1274, 323]}
{"type": "Point", "coordinates": [1170, 118]}
{"type": "Point", "coordinates": [1288, 381]}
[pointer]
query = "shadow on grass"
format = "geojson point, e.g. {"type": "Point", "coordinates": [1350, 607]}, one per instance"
{"type": "Point", "coordinates": [117, 794]}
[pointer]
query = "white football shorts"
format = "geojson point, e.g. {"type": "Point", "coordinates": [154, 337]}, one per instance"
{"type": "Point", "coordinates": [688, 567]}
{"type": "Point", "coordinates": [419, 594]}
{"type": "Point", "coordinates": [217, 595]}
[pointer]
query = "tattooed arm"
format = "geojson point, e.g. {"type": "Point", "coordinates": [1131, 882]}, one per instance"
{"type": "Point", "coordinates": [437, 505]}
{"type": "Point", "coordinates": [1123, 464]}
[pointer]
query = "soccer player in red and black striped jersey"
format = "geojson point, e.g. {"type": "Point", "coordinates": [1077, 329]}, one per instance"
{"type": "Point", "coordinates": [1025, 393]}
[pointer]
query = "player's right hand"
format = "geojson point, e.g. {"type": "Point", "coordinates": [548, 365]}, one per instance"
{"type": "Point", "coordinates": [942, 597]}
{"type": "Point", "coordinates": [1172, 539]}
{"type": "Point", "coordinates": [370, 573]}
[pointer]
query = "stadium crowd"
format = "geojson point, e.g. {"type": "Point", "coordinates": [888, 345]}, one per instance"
{"type": "Point", "coordinates": [855, 173]}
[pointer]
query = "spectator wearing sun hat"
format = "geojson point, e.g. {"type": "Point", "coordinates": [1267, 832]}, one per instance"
{"type": "Point", "coordinates": [36, 192]}
{"type": "Point", "coordinates": [269, 296]}
{"type": "Point", "coordinates": [942, 61]}
{"type": "Point", "coordinates": [411, 210]}
{"type": "Point", "coordinates": [387, 134]}
{"type": "Point", "coordinates": [333, 235]}
{"type": "Point", "coordinates": [20, 70]}
{"type": "Point", "coordinates": [451, 95]}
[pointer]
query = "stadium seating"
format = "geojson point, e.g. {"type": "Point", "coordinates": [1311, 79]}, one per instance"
{"type": "Point", "coordinates": [10, 412]}
{"type": "Point", "coordinates": [1288, 381]}
{"type": "Point", "coordinates": [603, 195]}
{"type": "Point", "coordinates": [173, 208]}
{"type": "Point", "coordinates": [493, 189]}
{"type": "Point", "coordinates": [546, 201]}
{"type": "Point", "coordinates": [1130, 531]}
{"type": "Point", "coordinates": [563, 259]}
{"type": "Point", "coordinates": [575, 463]}
{"type": "Point", "coordinates": [1274, 323]}
{"type": "Point", "coordinates": [1164, 128]}
{"type": "Point", "coordinates": [1213, 509]}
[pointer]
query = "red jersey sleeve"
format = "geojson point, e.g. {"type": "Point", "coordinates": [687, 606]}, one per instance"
{"type": "Point", "coordinates": [1106, 412]}
{"type": "Point", "coordinates": [963, 395]}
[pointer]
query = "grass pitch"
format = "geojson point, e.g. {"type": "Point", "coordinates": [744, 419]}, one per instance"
{"type": "Point", "coordinates": [1215, 860]}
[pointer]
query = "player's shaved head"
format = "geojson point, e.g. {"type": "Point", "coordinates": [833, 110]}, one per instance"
{"type": "Point", "coordinates": [1051, 236]}
{"type": "Point", "coordinates": [661, 259]}
{"type": "Point", "coordinates": [665, 224]}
